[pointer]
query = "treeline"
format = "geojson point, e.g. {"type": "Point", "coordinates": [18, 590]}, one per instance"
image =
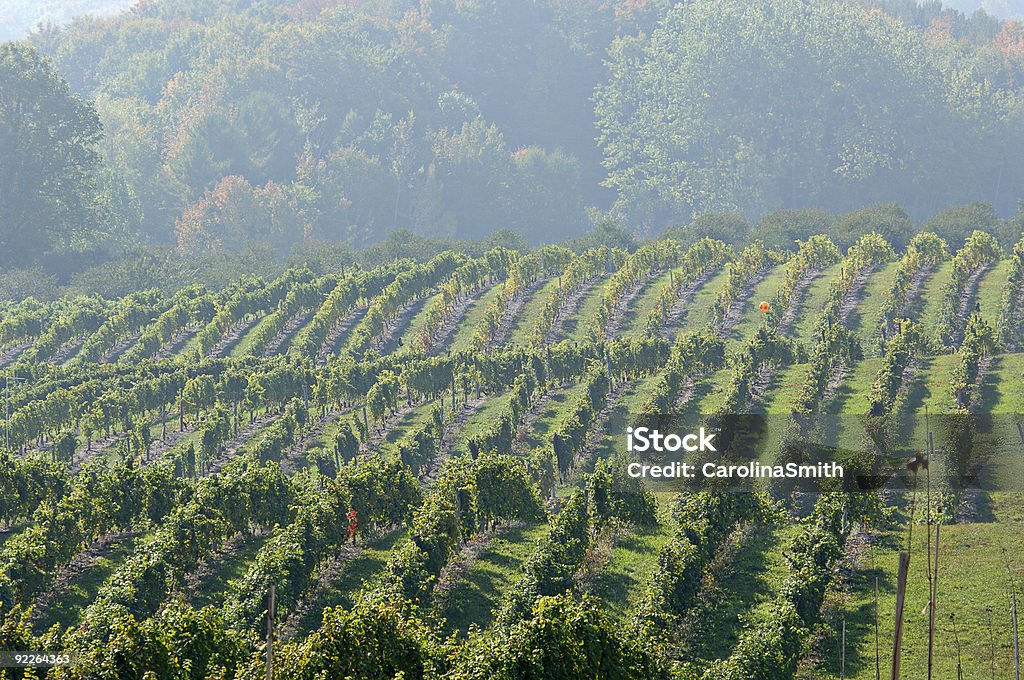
{"type": "Point", "coordinates": [213, 128]}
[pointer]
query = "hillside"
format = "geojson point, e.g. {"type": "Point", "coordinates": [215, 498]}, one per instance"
{"type": "Point", "coordinates": [373, 438]}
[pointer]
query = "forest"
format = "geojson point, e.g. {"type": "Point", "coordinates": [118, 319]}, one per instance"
{"type": "Point", "coordinates": [212, 129]}
{"type": "Point", "coordinates": [322, 322]}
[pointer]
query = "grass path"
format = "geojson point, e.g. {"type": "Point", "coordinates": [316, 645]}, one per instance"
{"type": "Point", "coordinates": [474, 598]}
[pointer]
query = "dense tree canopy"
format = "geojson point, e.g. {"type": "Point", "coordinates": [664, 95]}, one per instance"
{"type": "Point", "coordinates": [225, 127]}
{"type": "Point", "coordinates": [48, 157]}
{"type": "Point", "coordinates": [754, 106]}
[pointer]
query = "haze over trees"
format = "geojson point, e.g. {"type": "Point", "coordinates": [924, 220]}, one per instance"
{"type": "Point", "coordinates": [225, 128]}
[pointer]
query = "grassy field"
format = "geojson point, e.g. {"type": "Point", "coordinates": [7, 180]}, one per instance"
{"type": "Point", "coordinates": [750, 316]}
{"type": "Point", "coordinates": [973, 587]}
{"type": "Point", "coordinates": [522, 323]}
{"type": "Point", "coordinates": [864, 318]}
{"type": "Point", "coordinates": [697, 313]}
{"type": "Point", "coordinates": [475, 597]}
{"type": "Point", "coordinates": [812, 303]}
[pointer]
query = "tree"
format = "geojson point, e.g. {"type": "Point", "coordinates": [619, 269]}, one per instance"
{"type": "Point", "coordinates": [732, 105]}
{"type": "Point", "coordinates": [956, 223]}
{"type": "Point", "coordinates": [48, 140]}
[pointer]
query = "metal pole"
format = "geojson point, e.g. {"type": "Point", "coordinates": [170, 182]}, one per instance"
{"type": "Point", "coordinates": [878, 664]}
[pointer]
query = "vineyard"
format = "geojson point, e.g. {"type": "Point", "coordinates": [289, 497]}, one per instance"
{"type": "Point", "coordinates": [416, 470]}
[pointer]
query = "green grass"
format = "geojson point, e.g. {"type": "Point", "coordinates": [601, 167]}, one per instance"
{"type": "Point", "coordinates": [931, 297]}
{"type": "Point", "coordinates": [415, 418]}
{"type": "Point", "coordinates": [473, 599]}
{"type": "Point", "coordinates": [212, 589]}
{"type": "Point", "coordinates": [749, 581]}
{"type": "Point", "coordinates": [709, 394]}
{"type": "Point", "coordinates": [972, 578]}
{"type": "Point", "coordinates": [550, 415]}
{"type": "Point", "coordinates": [633, 559]}
{"type": "Point", "coordinates": [67, 610]}
{"type": "Point", "coordinates": [864, 317]}
{"type": "Point", "coordinates": [478, 421]}
{"type": "Point", "coordinates": [990, 291]}
{"type": "Point", "coordinates": [244, 345]}
{"type": "Point", "coordinates": [750, 316]}
{"type": "Point", "coordinates": [785, 386]}
{"type": "Point", "coordinates": [851, 398]}
{"type": "Point", "coordinates": [812, 303]}
{"type": "Point", "coordinates": [576, 326]}
{"type": "Point", "coordinates": [342, 591]}
{"type": "Point", "coordinates": [634, 321]}
{"type": "Point", "coordinates": [471, 320]}
{"type": "Point", "coordinates": [412, 331]}
{"type": "Point", "coordinates": [522, 323]}
{"type": "Point", "coordinates": [697, 314]}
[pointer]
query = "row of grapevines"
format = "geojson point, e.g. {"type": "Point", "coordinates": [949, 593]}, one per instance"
{"type": "Point", "coordinates": [925, 251]}
{"type": "Point", "coordinates": [638, 267]}
{"type": "Point", "coordinates": [582, 270]}
{"type": "Point", "coordinates": [102, 500]}
{"type": "Point", "coordinates": [813, 255]}
{"type": "Point", "coordinates": [609, 495]}
{"type": "Point", "coordinates": [130, 315]}
{"type": "Point", "coordinates": [351, 291]}
{"type": "Point", "coordinates": [71, 320]}
{"type": "Point", "coordinates": [470, 495]}
{"type": "Point", "coordinates": [244, 497]}
{"type": "Point", "coordinates": [247, 299]}
{"type": "Point", "coordinates": [979, 341]}
{"type": "Point", "coordinates": [469, 278]}
{"type": "Point", "coordinates": [301, 298]}
{"type": "Point", "coordinates": [835, 346]}
{"type": "Point", "coordinates": [742, 272]}
{"type": "Point", "coordinates": [980, 251]}
{"type": "Point", "coordinates": [1011, 316]}
{"type": "Point", "coordinates": [408, 286]}
{"type": "Point", "coordinates": [703, 257]}
{"type": "Point", "coordinates": [524, 272]}
{"type": "Point", "coordinates": [772, 643]}
{"type": "Point", "coordinates": [701, 521]}
{"type": "Point", "coordinates": [192, 306]}
{"type": "Point", "coordinates": [380, 492]}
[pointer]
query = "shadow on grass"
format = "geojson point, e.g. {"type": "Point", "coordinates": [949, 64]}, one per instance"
{"type": "Point", "coordinates": [474, 599]}
{"type": "Point", "coordinates": [342, 590]}
{"type": "Point", "coordinates": [711, 629]}
{"type": "Point", "coordinates": [860, 620]}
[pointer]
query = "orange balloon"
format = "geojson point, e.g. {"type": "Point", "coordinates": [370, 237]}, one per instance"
{"type": "Point", "coordinates": [764, 307]}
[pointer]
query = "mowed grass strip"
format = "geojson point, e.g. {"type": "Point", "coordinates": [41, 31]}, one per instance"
{"type": "Point", "coordinates": [474, 598]}
{"type": "Point", "coordinates": [522, 323]}
{"type": "Point", "coordinates": [750, 316]}
{"type": "Point", "coordinates": [865, 316]}
{"type": "Point", "coordinates": [343, 590]}
{"type": "Point", "coordinates": [462, 338]}
{"type": "Point", "coordinates": [813, 302]}
{"type": "Point", "coordinates": [696, 315]}
{"type": "Point", "coordinates": [990, 292]}
{"type": "Point", "coordinates": [931, 297]}
{"type": "Point", "coordinates": [634, 321]}
{"type": "Point", "coordinates": [576, 326]}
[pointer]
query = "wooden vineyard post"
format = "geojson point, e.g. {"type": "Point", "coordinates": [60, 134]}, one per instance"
{"type": "Point", "coordinates": [271, 596]}
{"type": "Point", "coordinates": [901, 590]}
